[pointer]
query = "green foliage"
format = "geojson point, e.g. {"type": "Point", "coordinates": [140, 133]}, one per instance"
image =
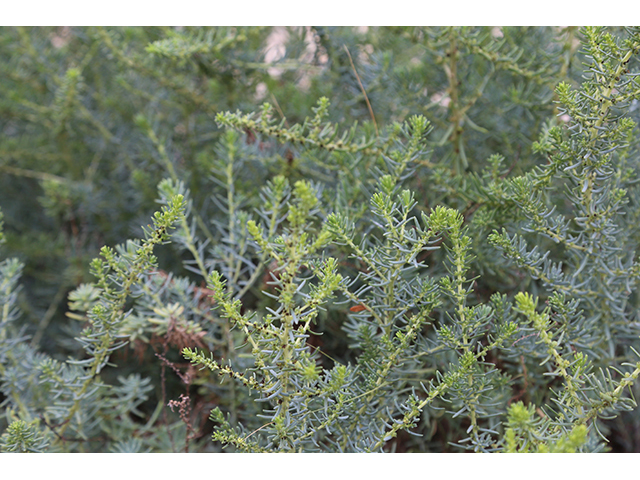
{"type": "Point", "coordinates": [21, 437]}
{"type": "Point", "coordinates": [404, 239]}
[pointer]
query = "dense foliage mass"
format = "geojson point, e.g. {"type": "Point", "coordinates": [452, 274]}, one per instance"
{"type": "Point", "coordinates": [319, 239]}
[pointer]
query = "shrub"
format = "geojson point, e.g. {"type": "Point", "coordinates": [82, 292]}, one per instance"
{"type": "Point", "coordinates": [445, 261]}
